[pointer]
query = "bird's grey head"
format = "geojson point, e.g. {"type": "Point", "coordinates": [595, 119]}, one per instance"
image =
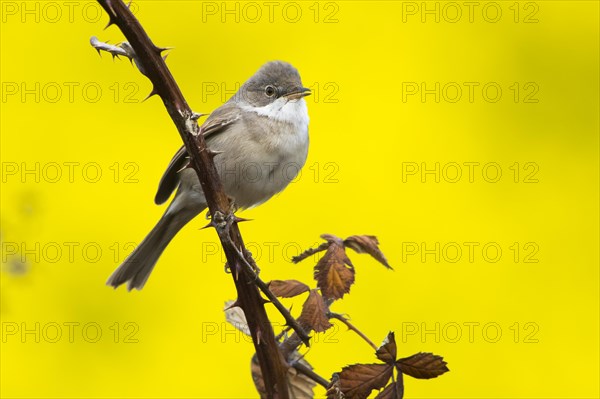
{"type": "Point", "coordinates": [276, 80]}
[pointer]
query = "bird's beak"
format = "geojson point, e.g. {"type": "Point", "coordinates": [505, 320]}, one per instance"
{"type": "Point", "coordinates": [298, 93]}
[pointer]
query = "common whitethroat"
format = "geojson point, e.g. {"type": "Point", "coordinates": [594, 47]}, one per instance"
{"type": "Point", "coordinates": [261, 134]}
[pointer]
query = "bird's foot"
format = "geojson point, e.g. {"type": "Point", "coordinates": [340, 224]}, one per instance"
{"type": "Point", "coordinates": [250, 259]}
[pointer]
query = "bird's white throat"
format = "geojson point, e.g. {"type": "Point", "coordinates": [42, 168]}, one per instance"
{"type": "Point", "coordinates": [294, 112]}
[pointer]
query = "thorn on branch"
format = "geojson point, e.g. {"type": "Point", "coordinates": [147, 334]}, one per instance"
{"type": "Point", "coordinates": [212, 153]}
{"type": "Point", "coordinates": [188, 165]}
{"type": "Point", "coordinates": [123, 49]}
{"type": "Point", "coordinates": [159, 50]}
{"type": "Point", "coordinates": [152, 93]}
{"type": "Point", "coordinates": [283, 333]}
{"type": "Point", "coordinates": [195, 116]}
{"type": "Point", "coordinates": [209, 224]}
{"type": "Point", "coordinates": [110, 22]}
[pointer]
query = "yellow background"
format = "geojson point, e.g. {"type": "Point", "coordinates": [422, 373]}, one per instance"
{"type": "Point", "coordinates": [360, 137]}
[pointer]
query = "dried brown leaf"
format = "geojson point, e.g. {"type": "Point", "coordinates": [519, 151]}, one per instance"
{"type": "Point", "coordinates": [395, 390]}
{"type": "Point", "coordinates": [314, 313]}
{"type": "Point", "coordinates": [422, 365]}
{"type": "Point", "coordinates": [236, 317]}
{"type": "Point", "coordinates": [387, 351]}
{"type": "Point", "coordinates": [334, 272]}
{"type": "Point", "coordinates": [257, 377]}
{"type": "Point", "coordinates": [358, 380]}
{"type": "Point", "coordinates": [287, 288]}
{"type": "Point", "coordinates": [369, 245]}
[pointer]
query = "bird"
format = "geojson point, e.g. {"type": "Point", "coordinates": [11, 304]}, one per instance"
{"type": "Point", "coordinates": [261, 137]}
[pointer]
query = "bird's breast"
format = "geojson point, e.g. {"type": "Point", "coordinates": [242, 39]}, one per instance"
{"type": "Point", "coordinates": [272, 157]}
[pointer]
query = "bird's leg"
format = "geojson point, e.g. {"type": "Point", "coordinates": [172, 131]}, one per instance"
{"type": "Point", "coordinates": [250, 259]}
{"type": "Point", "coordinates": [232, 206]}
{"type": "Point", "coordinates": [222, 223]}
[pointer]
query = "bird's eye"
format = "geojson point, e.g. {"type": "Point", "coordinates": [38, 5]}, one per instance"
{"type": "Point", "coordinates": [270, 91]}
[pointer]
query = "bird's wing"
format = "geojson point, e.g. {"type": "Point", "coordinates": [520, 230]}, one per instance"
{"type": "Point", "coordinates": [217, 123]}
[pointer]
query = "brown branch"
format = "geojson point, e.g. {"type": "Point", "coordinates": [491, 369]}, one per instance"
{"type": "Point", "coordinates": [290, 344]}
{"type": "Point", "coordinates": [310, 251]}
{"type": "Point", "coordinates": [150, 63]}
{"type": "Point", "coordinates": [288, 347]}
{"type": "Point", "coordinates": [282, 333]}
{"type": "Point", "coordinates": [250, 268]}
{"type": "Point", "coordinates": [351, 327]}
{"type": "Point", "coordinates": [264, 287]}
{"type": "Point", "coordinates": [307, 371]}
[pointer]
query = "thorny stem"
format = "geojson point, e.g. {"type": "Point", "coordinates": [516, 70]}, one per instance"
{"type": "Point", "coordinates": [307, 371]}
{"type": "Point", "coordinates": [151, 64]}
{"type": "Point", "coordinates": [292, 343]}
{"type": "Point", "coordinates": [282, 333]}
{"type": "Point", "coordinates": [289, 319]}
{"type": "Point", "coordinates": [310, 251]}
{"type": "Point", "coordinates": [251, 267]}
{"type": "Point", "coordinates": [288, 346]}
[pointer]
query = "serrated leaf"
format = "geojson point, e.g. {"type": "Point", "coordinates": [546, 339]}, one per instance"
{"type": "Point", "coordinates": [422, 365]}
{"type": "Point", "coordinates": [287, 288]}
{"type": "Point", "coordinates": [369, 245]}
{"type": "Point", "coordinates": [334, 272]}
{"type": "Point", "coordinates": [395, 390]}
{"type": "Point", "coordinates": [236, 317]}
{"type": "Point", "coordinates": [387, 351]}
{"type": "Point", "coordinates": [314, 313]}
{"type": "Point", "coordinates": [358, 380]}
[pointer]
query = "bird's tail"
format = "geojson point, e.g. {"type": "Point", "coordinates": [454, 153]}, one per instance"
{"type": "Point", "coordinates": [136, 269]}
